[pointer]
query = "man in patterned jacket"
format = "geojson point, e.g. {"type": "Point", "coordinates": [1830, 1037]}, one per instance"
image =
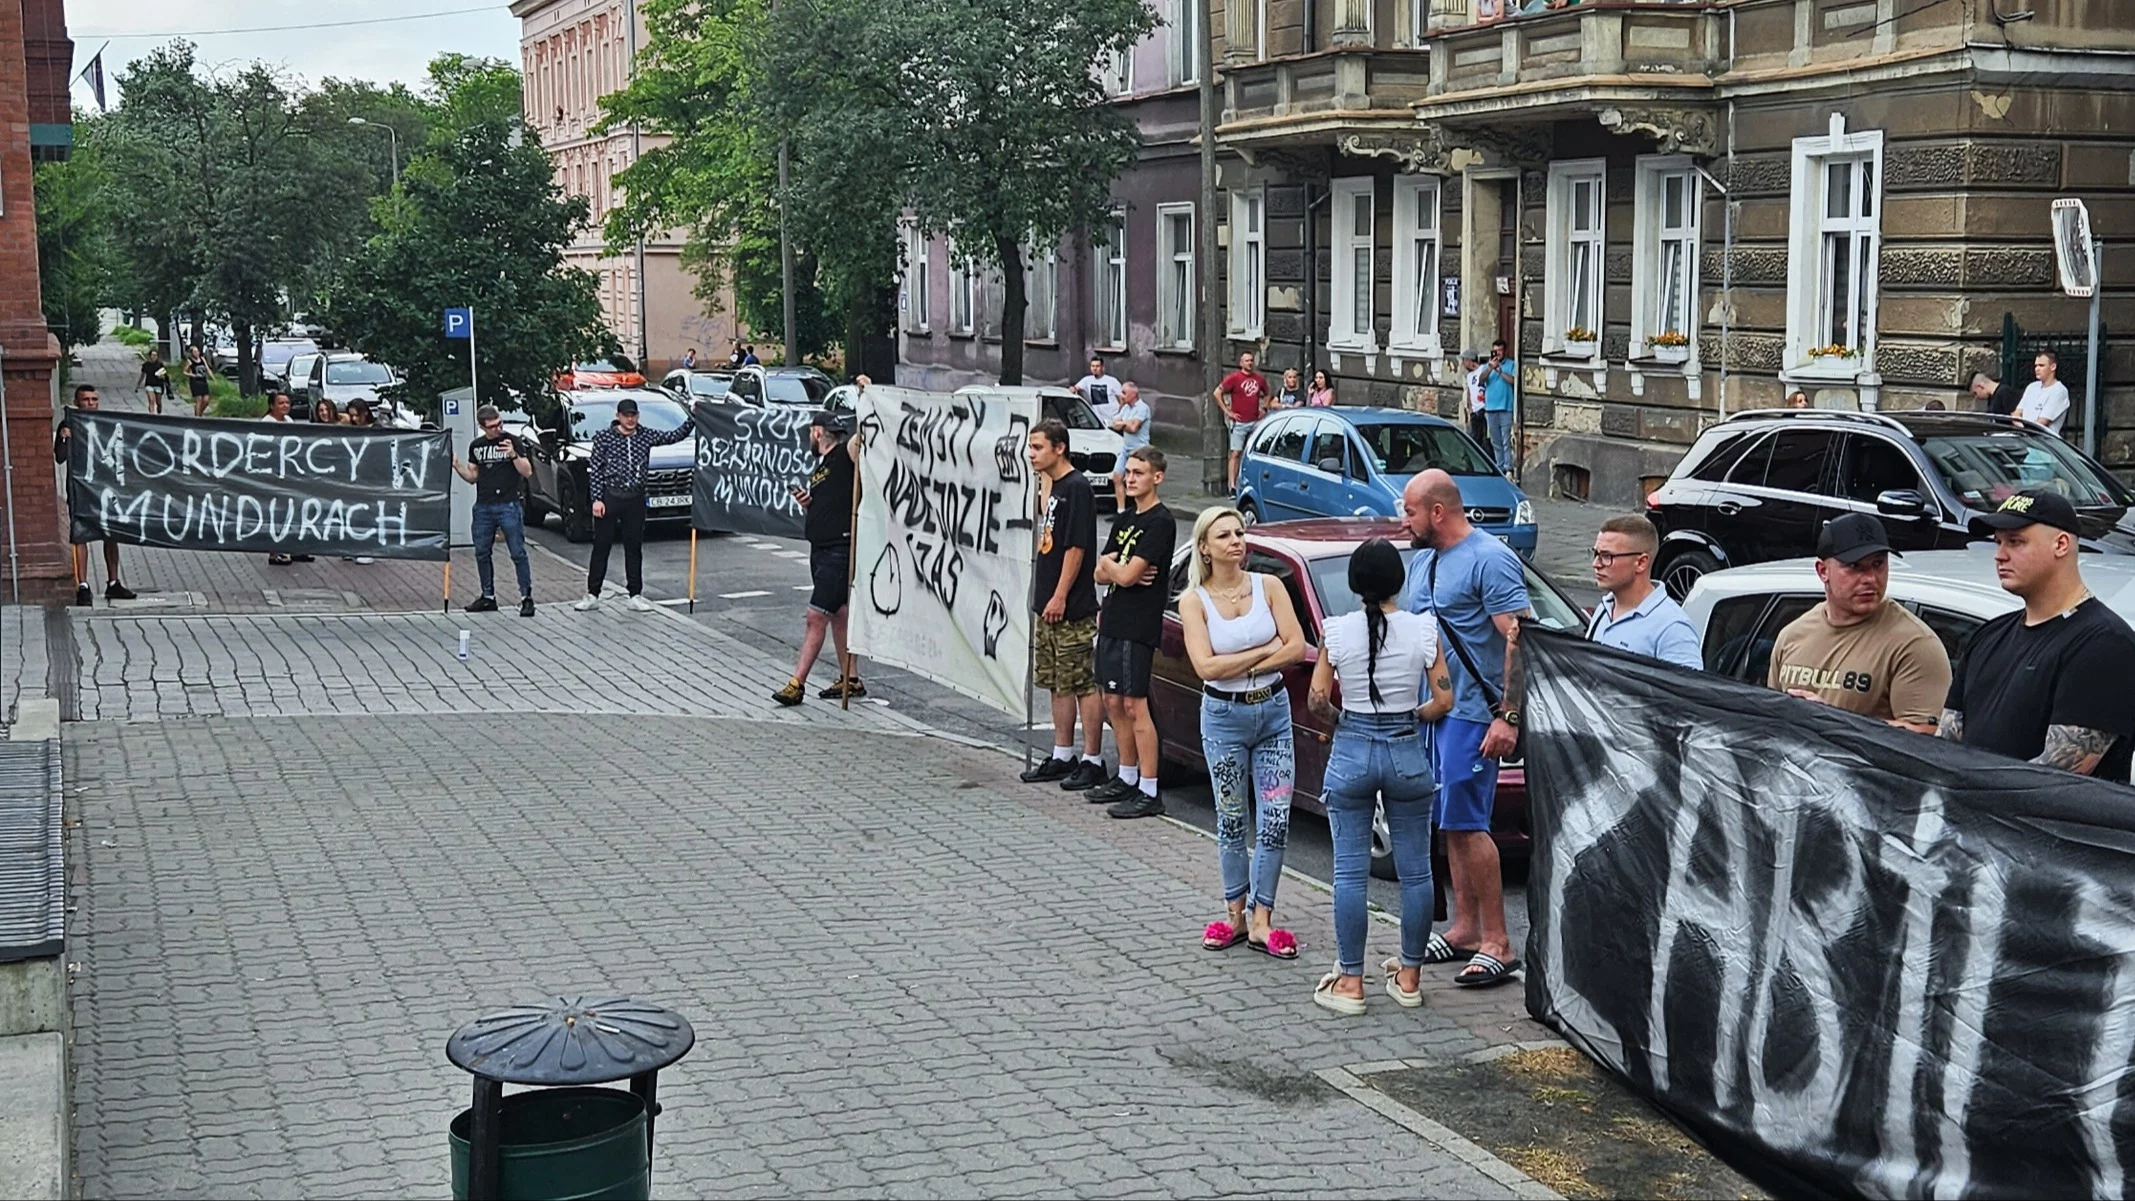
{"type": "Point", "coordinates": [616, 480]}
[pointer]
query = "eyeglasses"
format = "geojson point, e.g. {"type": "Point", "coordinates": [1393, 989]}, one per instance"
{"type": "Point", "coordinates": [1607, 558]}
{"type": "Point", "coordinates": [492, 425]}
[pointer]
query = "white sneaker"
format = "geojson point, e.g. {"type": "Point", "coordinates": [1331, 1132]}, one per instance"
{"type": "Point", "coordinates": [591, 602]}
{"type": "Point", "coordinates": [639, 604]}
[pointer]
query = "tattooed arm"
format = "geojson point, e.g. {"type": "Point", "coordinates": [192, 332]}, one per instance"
{"type": "Point", "coordinates": [1951, 726]}
{"type": "Point", "coordinates": [2074, 748]}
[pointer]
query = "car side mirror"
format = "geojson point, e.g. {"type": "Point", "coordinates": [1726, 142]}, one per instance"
{"type": "Point", "coordinates": [1332, 466]}
{"type": "Point", "coordinates": [1901, 502]}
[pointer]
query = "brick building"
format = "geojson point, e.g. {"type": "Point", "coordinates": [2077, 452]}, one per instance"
{"type": "Point", "coordinates": [35, 62]}
{"type": "Point", "coordinates": [574, 52]}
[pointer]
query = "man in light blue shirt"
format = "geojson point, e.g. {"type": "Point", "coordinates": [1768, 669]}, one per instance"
{"type": "Point", "coordinates": [1634, 614]}
{"type": "Point", "coordinates": [1474, 585]}
{"type": "Point", "coordinates": [1500, 376]}
{"type": "Point", "coordinates": [1130, 418]}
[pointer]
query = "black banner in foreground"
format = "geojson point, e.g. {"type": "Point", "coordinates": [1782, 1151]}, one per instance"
{"type": "Point", "coordinates": [258, 486]}
{"type": "Point", "coordinates": [748, 462]}
{"type": "Point", "coordinates": [1856, 961]}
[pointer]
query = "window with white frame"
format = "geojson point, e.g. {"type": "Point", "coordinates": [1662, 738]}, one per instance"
{"type": "Point", "coordinates": [1664, 273]}
{"type": "Point", "coordinates": [963, 292]}
{"type": "Point", "coordinates": [1041, 287]}
{"type": "Point", "coordinates": [1573, 272]}
{"type": "Point", "coordinates": [1175, 276]}
{"type": "Point", "coordinates": [1349, 310]}
{"type": "Point", "coordinates": [1416, 247]}
{"type": "Point", "coordinates": [1249, 263]}
{"type": "Point", "coordinates": [1188, 41]}
{"type": "Point", "coordinates": [916, 280]}
{"type": "Point", "coordinates": [1837, 224]}
{"type": "Point", "coordinates": [1110, 282]}
{"type": "Point", "coordinates": [1118, 73]}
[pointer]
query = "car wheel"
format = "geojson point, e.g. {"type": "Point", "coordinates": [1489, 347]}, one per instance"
{"type": "Point", "coordinates": [1250, 511]}
{"type": "Point", "coordinates": [578, 518]}
{"type": "Point", "coordinates": [1684, 569]}
{"type": "Point", "coordinates": [1382, 846]}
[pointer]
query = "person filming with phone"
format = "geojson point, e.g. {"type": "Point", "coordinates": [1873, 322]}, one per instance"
{"type": "Point", "coordinates": [828, 501]}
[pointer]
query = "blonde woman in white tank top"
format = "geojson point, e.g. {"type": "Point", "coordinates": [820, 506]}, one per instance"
{"type": "Point", "coordinates": [1241, 632]}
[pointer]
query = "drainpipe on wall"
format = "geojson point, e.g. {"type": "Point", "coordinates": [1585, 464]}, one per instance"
{"type": "Point", "coordinates": [1519, 325]}
{"type": "Point", "coordinates": [1312, 33]}
{"type": "Point", "coordinates": [1312, 281]}
{"type": "Point", "coordinates": [1727, 262]}
{"type": "Point", "coordinates": [636, 150]}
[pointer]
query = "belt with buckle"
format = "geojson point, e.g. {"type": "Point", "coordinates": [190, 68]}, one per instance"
{"type": "Point", "coordinates": [1254, 697]}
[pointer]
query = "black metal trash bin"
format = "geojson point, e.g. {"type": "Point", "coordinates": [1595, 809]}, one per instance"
{"type": "Point", "coordinates": [568, 1139]}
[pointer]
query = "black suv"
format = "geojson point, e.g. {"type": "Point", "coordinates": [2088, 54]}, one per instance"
{"type": "Point", "coordinates": [1759, 486]}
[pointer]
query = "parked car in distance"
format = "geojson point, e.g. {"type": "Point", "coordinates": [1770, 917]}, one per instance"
{"type": "Point", "coordinates": [691, 386]}
{"type": "Point", "coordinates": [344, 376]}
{"type": "Point", "coordinates": [299, 378]}
{"type": "Point", "coordinates": [223, 351]}
{"type": "Point", "coordinates": [1738, 612]}
{"type": "Point", "coordinates": [559, 483]}
{"type": "Point", "coordinates": [1344, 461]}
{"type": "Point", "coordinates": [1760, 485]}
{"type": "Point", "coordinates": [613, 372]}
{"type": "Point", "coordinates": [760, 385]}
{"type": "Point", "coordinates": [275, 354]}
{"type": "Point", "coordinates": [1312, 559]}
{"type": "Point", "coordinates": [1093, 449]}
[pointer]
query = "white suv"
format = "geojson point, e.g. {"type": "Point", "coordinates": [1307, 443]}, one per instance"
{"type": "Point", "coordinates": [1738, 613]}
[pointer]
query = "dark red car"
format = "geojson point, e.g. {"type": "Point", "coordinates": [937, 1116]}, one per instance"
{"type": "Point", "coordinates": [1312, 559]}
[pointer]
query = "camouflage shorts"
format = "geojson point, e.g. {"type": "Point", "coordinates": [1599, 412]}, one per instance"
{"type": "Point", "coordinates": [1065, 655]}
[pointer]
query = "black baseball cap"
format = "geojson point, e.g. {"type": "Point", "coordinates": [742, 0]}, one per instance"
{"type": "Point", "coordinates": [1852, 537]}
{"type": "Point", "coordinates": [2035, 506]}
{"type": "Point", "coordinates": [834, 422]}
{"type": "Point", "coordinates": [626, 405]}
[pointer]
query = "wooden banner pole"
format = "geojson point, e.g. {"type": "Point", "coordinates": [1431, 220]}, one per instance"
{"type": "Point", "coordinates": [852, 577]}
{"type": "Point", "coordinates": [693, 569]}
{"type": "Point", "coordinates": [448, 582]}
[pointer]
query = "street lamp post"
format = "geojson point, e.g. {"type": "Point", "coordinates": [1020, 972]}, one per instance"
{"type": "Point", "coordinates": [390, 133]}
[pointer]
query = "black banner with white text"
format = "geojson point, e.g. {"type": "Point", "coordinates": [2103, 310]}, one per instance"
{"type": "Point", "coordinates": [749, 460]}
{"type": "Point", "coordinates": [258, 486]}
{"type": "Point", "coordinates": [1857, 961]}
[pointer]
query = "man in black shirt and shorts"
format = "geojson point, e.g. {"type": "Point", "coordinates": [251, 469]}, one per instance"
{"type": "Point", "coordinates": [1137, 566]}
{"type": "Point", "coordinates": [1064, 598]}
{"type": "Point", "coordinates": [499, 474]}
{"type": "Point", "coordinates": [2048, 683]}
{"type": "Point", "coordinates": [828, 498]}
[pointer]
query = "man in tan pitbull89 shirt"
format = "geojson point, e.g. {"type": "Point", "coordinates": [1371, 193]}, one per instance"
{"type": "Point", "coordinates": [1858, 650]}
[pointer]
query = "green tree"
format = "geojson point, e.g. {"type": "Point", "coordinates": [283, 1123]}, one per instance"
{"type": "Point", "coordinates": [158, 258]}
{"type": "Point", "coordinates": [348, 121]}
{"type": "Point", "coordinates": [479, 223]}
{"type": "Point", "coordinates": [74, 245]}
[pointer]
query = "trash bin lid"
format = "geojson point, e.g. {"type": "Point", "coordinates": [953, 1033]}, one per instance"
{"type": "Point", "coordinates": [571, 1040]}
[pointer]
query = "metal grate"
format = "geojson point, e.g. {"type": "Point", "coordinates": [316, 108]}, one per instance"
{"type": "Point", "coordinates": [32, 865]}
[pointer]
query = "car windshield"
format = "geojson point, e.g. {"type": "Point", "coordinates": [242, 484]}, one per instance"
{"type": "Point", "coordinates": [589, 417]}
{"type": "Point", "coordinates": [1984, 469]}
{"type": "Point", "coordinates": [710, 385]}
{"type": "Point", "coordinates": [278, 354]}
{"type": "Point", "coordinates": [606, 367]}
{"type": "Point", "coordinates": [1409, 447]}
{"type": "Point", "coordinates": [1330, 576]}
{"type": "Point", "coordinates": [356, 371]}
{"type": "Point", "coordinates": [795, 389]}
{"type": "Point", "coordinates": [1072, 411]}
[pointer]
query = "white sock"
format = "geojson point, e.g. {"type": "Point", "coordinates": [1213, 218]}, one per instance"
{"type": "Point", "coordinates": [1129, 775]}
{"type": "Point", "coordinates": [1099, 760]}
{"type": "Point", "coordinates": [1064, 753]}
{"type": "Point", "coordinates": [1149, 786]}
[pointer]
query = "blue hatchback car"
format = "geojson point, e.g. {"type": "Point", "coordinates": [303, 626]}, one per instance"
{"type": "Point", "coordinates": [1353, 462]}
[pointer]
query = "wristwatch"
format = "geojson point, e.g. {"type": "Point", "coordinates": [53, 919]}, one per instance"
{"type": "Point", "coordinates": [1510, 717]}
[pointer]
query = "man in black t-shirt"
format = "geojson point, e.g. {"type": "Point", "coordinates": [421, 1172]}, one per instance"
{"type": "Point", "coordinates": [828, 498]}
{"type": "Point", "coordinates": [88, 399]}
{"type": "Point", "coordinates": [499, 474]}
{"type": "Point", "coordinates": [2047, 683]}
{"type": "Point", "coordinates": [1137, 566]}
{"type": "Point", "coordinates": [1064, 597]}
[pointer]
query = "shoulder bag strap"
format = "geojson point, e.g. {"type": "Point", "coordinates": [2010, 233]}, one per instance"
{"type": "Point", "coordinates": [1492, 693]}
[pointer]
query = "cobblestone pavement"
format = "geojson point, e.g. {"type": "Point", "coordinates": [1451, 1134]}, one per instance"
{"type": "Point", "coordinates": [908, 978]}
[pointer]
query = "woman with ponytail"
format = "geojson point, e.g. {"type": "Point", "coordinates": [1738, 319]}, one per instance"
{"type": "Point", "coordinates": [1392, 671]}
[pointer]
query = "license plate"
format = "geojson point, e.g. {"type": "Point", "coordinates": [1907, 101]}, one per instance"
{"type": "Point", "coordinates": [1100, 481]}
{"type": "Point", "coordinates": [667, 502]}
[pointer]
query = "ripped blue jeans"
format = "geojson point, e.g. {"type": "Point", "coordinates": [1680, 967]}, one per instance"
{"type": "Point", "coordinates": [1251, 758]}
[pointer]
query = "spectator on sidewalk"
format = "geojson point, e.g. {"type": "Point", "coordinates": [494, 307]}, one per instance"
{"type": "Point", "coordinates": [196, 379]}
{"type": "Point", "coordinates": [2045, 400]}
{"type": "Point", "coordinates": [1858, 649]}
{"type": "Point", "coordinates": [1797, 400]}
{"type": "Point", "coordinates": [2001, 399]}
{"type": "Point", "coordinates": [1291, 395]}
{"type": "Point", "coordinates": [1500, 378]}
{"type": "Point", "coordinates": [1635, 614]}
{"type": "Point", "coordinates": [323, 412]}
{"type": "Point", "coordinates": [1136, 566]}
{"type": "Point", "coordinates": [278, 405]}
{"type": "Point", "coordinates": [1321, 394]}
{"type": "Point", "coordinates": [616, 482]}
{"type": "Point", "coordinates": [1392, 669]}
{"type": "Point", "coordinates": [358, 413]}
{"type": "Point", "coordinates": [1241, 632]}
{"type": "Point", "coordinates": [1099, 387]}
{"type": "Point", "coordinates": [1471, 367]}
{"type": "Point", "coordinates": [828, 498]}
{"type": "Point", "coordinates": [499, 474]}
{"type": "Point", "coordinates": [88, 400]}
{"type": "Point", "coordinates": [689, 359]}
{"type": "Point", "coordinates": [155, 378]}
{"type": "Point", "coordinates": [1473, 584]}
{"type": "Point", "coordinates": [1130, 420]}
{"type": "Point", "coordinates": [1064, 598]}
{"type": "Point", "coordinates": [2049, 682]}
{"type": "Point", "coordinates": [1239, 396]}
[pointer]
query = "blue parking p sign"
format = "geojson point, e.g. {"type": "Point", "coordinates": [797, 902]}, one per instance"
{"type": "Point", "coordinates": [459, 323]}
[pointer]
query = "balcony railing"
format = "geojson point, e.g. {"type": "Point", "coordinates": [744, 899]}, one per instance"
{"type": "Point", "coordinates": [1609, 43]}
{"type": "Point", "coordinates": [1348, 81]}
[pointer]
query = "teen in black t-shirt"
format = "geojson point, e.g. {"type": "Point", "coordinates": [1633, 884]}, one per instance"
{"type": "Point", "coordinates": [1134, 612]}
{"type": "Point", "coordinates": [1064, 600]}
{"type": "Point", "coordinates": [2047, 683]}
{"type": "Point", "coordinates": [1068, 522]}
{"type": "Point", "coordinates": [828, 498]}
{"type": "Point", "coordinates": [1137, 564]}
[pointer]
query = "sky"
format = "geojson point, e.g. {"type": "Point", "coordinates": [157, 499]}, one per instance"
{"type": "Point", "coordinates": [390, 46]}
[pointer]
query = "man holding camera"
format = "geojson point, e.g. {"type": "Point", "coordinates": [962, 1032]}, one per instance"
{"type": "Point", "coordinates": [1500, 376]}
{"type": "Point", "coordinates": [499, 474]}
{"type": "Point", "coordinates": [828, 500]}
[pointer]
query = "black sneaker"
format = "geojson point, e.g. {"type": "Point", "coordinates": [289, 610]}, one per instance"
{"type": "Point", "coordinates": [1141, 804]}
{"type": "Point", "coordinates": [483, 604]}
{"type": "Point", "coordinates": [117, 591]}
{"type": "Point", "coordinates": [1084, 776]}
{"type": "Point", "coordinates": [1114, 789]}
{"type": "Point", "coordinates": [1048, 768]}
{"type": "Point", "coordinates": [82, 597]}
{"type": "Point", "coordinates": [843, 689]}
{"type": "Point", "coordinates": [526, 606]}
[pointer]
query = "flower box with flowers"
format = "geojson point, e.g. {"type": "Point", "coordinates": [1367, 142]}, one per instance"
{"type": "Point", "coordinates": [1669, 346]}
{"type": "Point", "coordinates": [1581, 343]}
{"type": "Point", "coordinates": [1833, 351]}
